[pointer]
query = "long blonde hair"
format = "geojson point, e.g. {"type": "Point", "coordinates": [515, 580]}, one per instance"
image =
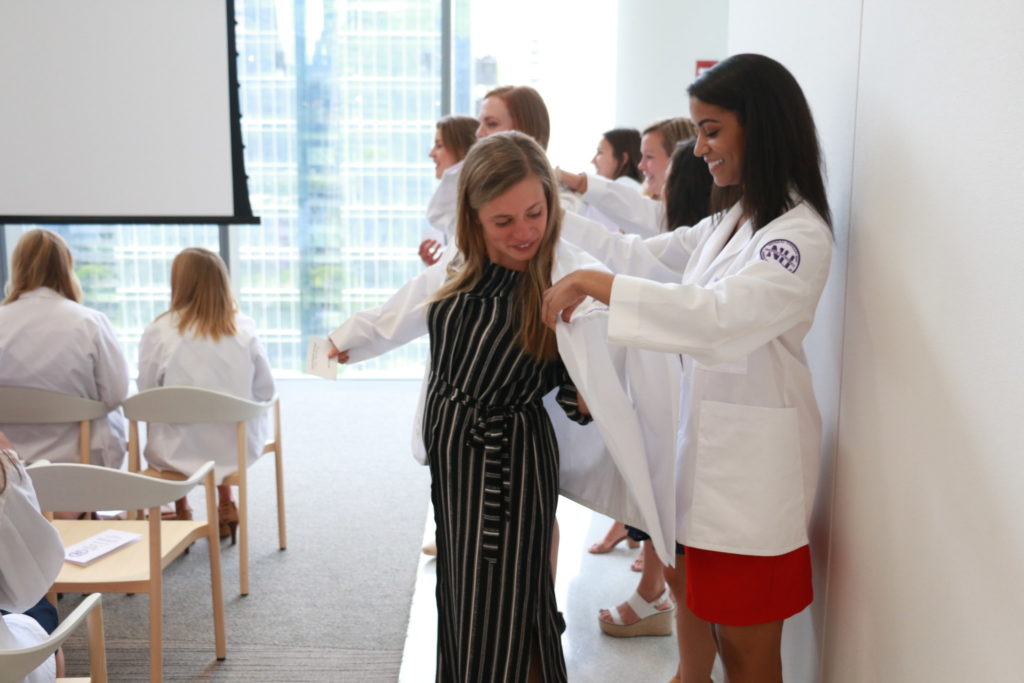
{"type": "Point", "coordinates": [43, 259]}
{"type": "Point", "coordinates": [492, 167]}
{"type": "Point", "coordinates": [201, 294]}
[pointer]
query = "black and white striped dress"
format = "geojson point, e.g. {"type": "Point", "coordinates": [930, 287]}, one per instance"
{"type": "Point", "coordinates": [494, 484]}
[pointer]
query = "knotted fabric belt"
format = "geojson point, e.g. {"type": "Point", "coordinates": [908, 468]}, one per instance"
{"type": "Point", "coordinates": [488, 435]}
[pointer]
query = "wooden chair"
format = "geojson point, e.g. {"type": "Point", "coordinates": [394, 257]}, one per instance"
{"type": "Point", "coordinates": [16, 664]}
{"type": "Point", "coordinates": [136, 568]}
{"type": "Point", "coordinates": [192, 405]}
{"type": "Point", "coordinates": [22, 405]}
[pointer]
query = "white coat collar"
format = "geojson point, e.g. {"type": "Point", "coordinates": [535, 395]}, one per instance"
{"type": "Point", "coordinates": [41, 293]}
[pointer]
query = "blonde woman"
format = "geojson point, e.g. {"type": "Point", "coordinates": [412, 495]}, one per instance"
{"type": "Point", "coordinates": [49, 340]}
{"type": "Point", "coordinates": [452, 140]}
{"type": "Point", "coordinates": [203, 341]}
{"type": "Point", "coordinates": [490, 445]}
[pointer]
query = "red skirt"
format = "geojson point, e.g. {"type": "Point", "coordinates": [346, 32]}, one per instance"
{"type": "Point", "coordinates": [743, 590]}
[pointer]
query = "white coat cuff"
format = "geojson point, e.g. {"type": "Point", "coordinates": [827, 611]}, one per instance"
{"type": "Point", "coordinates": [624, 323]}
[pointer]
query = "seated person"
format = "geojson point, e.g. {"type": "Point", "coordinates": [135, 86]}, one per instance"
{"type": "Point", "coordinates": [49, 340]}
{"type": "Point", "coordinates": [31, 555]}
{"type": "Point", "coordinates": [203, 341]}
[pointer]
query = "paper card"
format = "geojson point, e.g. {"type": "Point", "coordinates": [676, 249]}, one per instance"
{"type": "Point", "coordinates": [317, 362]}
{"type": "Point", "coordinates": [95, 547]}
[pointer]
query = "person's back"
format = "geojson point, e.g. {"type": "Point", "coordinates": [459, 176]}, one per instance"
{"type": "Point", "coordinates": [49, 341]}
{"type": "Point", "coordinates": [233, 365]}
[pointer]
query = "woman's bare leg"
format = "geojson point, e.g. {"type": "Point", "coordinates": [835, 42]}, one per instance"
{"type": "Point", "coordinates": [652, 585]}
{"type": "Point", "coordinates": [693, 634]}
{"type": "Point", "coordinates": [751, 654]}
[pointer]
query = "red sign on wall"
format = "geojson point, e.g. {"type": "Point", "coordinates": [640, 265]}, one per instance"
{"type": "Point", "coordinates": [703, 65]}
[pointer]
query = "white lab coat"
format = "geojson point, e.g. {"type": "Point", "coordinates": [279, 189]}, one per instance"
{"type": "Point", "coordinates": [750, 429]}
{"type": "Point", "coordinates": [594, 213]}
{"type": "Point", "coordinates": [50, 342]}
{"type": "Point", "coordinates": [624, 205]}
{"type": "Point", "coordinates": [632, 479]}
{"type": "Point", "coordinates": [233, 365]}
{"type": "Point", "coordinates": [31, 556]}
{"type": "Point", "coordinates": [443, 206]}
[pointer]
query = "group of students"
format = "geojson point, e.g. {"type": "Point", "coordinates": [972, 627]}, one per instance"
{"type": "Point", "coordinates": [50, 340]}
{"type": "Point", "coordinates": [702, 308]}
{"type": "Point", "coordinates": [671, 326]}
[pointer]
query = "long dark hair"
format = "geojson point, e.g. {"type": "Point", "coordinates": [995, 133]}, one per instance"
{"type": "Point", "coordinates": [625, 143]}
{"type": "Point", "coordinates": [687, 191]}
{"type": "Point", "coordinates": [781, 143]}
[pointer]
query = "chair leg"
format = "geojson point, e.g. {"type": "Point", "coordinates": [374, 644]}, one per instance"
{"type": "Point", "coordinates": [282, 536]}
{"type": "Point", "coordinates": [97, 646]}
{"type": "Point", "coordinates": [216, 589]}
{"type": "Point", "coordinates": [156, 606]}
{"type": "Point", "coordinates": [243, 536]}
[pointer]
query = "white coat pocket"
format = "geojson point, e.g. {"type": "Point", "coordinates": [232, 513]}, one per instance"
{"type": "Point", "coordinates": [748, 492]}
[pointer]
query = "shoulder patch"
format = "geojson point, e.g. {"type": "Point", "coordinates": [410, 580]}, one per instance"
{"type": "Point", "coordinates": [783, 251]}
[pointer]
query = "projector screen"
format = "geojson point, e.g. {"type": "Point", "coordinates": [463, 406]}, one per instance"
{"type": "Point", "coordinates": [120, 111]}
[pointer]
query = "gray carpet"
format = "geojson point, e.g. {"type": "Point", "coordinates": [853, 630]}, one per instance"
{"type": "Point", "coordinates": [334, 606]}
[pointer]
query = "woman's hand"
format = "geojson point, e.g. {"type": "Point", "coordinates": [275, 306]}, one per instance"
{"type": "Point", "coordinates": [577, 182]}
{"type": "Point", "coordinates": [430, 251]}
{"type": "Point", "coordinates": [581, 404]}
{"type": "Point", "coordinates": [340, 356]}
{"type": "Point", "coordinates": [569, 292]}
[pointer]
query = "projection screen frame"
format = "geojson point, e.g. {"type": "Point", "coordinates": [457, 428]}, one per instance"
{"type": "Point", "coordinates": [242, 213]}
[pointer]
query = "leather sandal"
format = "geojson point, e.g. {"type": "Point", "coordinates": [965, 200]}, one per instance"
{"type": "Point", "coordinates": [652, 622]}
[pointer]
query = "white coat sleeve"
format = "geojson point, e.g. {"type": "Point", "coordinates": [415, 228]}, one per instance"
{"type": "Point", "coordinates": [398, 321]}
{"type": "Point", "coordinates": [733, 316]}
{"type": "Point", "coordinates": [661, 258]}
{"type": "Point", "coordinates": [110, 366]}
{"type": "Point", "coordinates": [150, 358]}
{"type": "Point", "coordinates": [628, 208]}
{"type": "Point", "coordinates": [31, 552]}
{"type": "Point", "coordinates": [262, 378]}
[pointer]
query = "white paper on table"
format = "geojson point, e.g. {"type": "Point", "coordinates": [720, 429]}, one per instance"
{"type": "Point", "coordinates": [95, 547]}
{"type": "Point", "coordinates": [317, 362]}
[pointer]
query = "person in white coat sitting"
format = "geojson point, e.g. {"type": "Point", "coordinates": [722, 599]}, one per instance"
{"type": "Point", "coordinates": [750, 277]}
{"type": "Point", "coordinates": [203, 341]}
{"type": "Point", "coordinates": [31, 555]}
{"type": "Point", "coordinates": [452, 140]}
{"type": "Point", "coordinates": [49, 340]}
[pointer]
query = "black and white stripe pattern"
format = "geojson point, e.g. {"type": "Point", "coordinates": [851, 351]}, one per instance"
{"type": "Point", "coordinates": [494, 483]}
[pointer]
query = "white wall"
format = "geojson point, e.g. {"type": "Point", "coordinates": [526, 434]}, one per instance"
{"type": "Point", "coordinates": [917, 106]}
{"type": "Point", "coordinates": [659, 44]}
{"type": "Point", "coordinates": [928, 561]}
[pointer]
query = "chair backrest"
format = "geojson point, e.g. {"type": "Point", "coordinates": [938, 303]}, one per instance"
{"type": "Point", "coordinates": [191, 405]}
{"type": "Point", "coordinates": [89, 488]}
{"type": "Point", "coordinates": [22, 405]}
{"type": "Point", "coordinates": [17, 664]}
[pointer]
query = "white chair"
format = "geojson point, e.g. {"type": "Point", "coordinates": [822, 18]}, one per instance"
{"type": "Point", "coordinates": [22, 405]}
{"type": "Point", "coordinates": [16, 664]}
{"type": "Point", "coordinates": [136, 568]}
{"type": "Point", "coordinates": [192, 405]}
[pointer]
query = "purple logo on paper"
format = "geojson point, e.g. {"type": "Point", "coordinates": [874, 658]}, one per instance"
{"type": "Point", "coordinates": [783, 251]}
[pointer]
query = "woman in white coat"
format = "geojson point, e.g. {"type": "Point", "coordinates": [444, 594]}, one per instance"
{"type": "Point", "coordinates": [202, 341]}
{"type": "Point", "coordinates": [49, 340]}
{"type": "Point", "coordinates": [642, 214]}
{"type": "Point", "coordinates": [452, 139]}
{"type": "Point", "coordinates": [617, 159]}
{"type": "Point", "coordinates": [31, 556]}
{"type": "Point", "coordinates": [750, 280]}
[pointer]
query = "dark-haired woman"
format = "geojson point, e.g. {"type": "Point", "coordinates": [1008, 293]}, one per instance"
{"type": "Point", "coordinates": [453, 137]}
{"type": "Point", "coordinates": [750, 279]}
{"type": "Point", "coordinates": [617, 159]}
